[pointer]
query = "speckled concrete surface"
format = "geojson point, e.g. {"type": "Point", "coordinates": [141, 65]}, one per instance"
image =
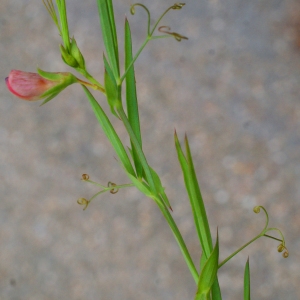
{"type": "Point", "coordinates": [233, 87]}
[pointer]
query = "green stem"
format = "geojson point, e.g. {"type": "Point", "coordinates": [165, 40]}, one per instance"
{"type": "Point", "coordinates": [159, 19]}
{"type": "Point", "coordinates": [180, 241]}
{"type": "Point", "coordinates": [132, 10]}
{"type": "Point", "coordinates": [62, 10]}
{"type": "Point", "coordinates": [272, 237]}
{"type": "Point", "coordinates": [240, 249]}
{"type": "Point", "coordinates": [87, 75]}
{"type": "Point", "coordinates": [149, 36]}
{"type": "Point", "coordinates": [161, 205]}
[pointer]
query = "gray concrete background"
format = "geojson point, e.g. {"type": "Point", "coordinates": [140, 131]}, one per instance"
{"type": "Point", "coordinates": [233, 87]}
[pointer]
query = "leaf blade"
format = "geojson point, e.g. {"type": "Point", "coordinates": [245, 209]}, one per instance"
{"type": "Point", "coordinates": [110, 132]}
{"type": "Point", "coordinates": [131, 99]}
{"type": "Point", "coordinates": [109, 34]}
{"type": "Point", "coordinates": [247, 281]}
{"type": "Point", "coordinates": [208, 274]}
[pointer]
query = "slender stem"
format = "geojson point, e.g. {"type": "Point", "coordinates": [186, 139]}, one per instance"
{"type": "Point", "coordinates": [159, 19]}
{"type": "Point", "coordinates": [149, 37]}
{"type": "Point", "coordinates": [272, 237]}
{"type": "Point", "coordinates": [161, 205]}
{"type": "Point", "coordinates": [280, 233]}
{"type": "Point", "coordinates": [161, 37]}
{"type": "Point", "coordinates": [62, 10]}
{"type": "Point", "coordinates": [87, 75]}
{"type": "Point", "coordinates": [132, 10]}
{"type": "Point", "coordinates": [180, 242]}
{"type": "Point", "coordinates": [240, 249]}
{"type": "Point", "coordinates": [119, 186]}
{"type": "Point", "coordinates": [105, 189]}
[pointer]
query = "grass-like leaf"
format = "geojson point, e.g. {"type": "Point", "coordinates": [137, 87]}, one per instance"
{"type": "Point", "coordinates": [110, 132]}
{"type": "Point", "coordinates": [197, 205]}
{"type": "Point", "coordinates": [208, 274]}
{"type": "Point", "coordinates": [131, 99]}
{"type": "Point", "coordinates": [109, 33]}
{"type": "Point", "coordinates": [247, 281]}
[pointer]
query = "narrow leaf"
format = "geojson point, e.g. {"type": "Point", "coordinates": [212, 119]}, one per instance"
{"type": "Point", "coordinates": [139, 151]}
{"type": "Point", "coordinates": [247, 281]}
{"type": "Point", "coordinates": [110, 132]}
{"type": "Point", "coordinates": [208, 274]}
{"type": "Point", "coordinates": [109, 34]}
{"type": "Point", "coordinates": [197, 202]}
{"type": "Point", "coordinates": [197, 205]}
{"type": "Point", "coordinates": [131, 99]}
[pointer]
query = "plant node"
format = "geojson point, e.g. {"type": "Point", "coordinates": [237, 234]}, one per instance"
{"type": "Point", "coordinates": [113, 190]}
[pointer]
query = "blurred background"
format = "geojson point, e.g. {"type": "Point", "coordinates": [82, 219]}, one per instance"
{"type": "Point", "coordinates": [233, 87]}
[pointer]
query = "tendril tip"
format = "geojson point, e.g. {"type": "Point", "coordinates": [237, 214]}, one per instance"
{"type": "Point", "coordinates": [113, 190]}
{"type": "Point", "coordinates": [85, 177]}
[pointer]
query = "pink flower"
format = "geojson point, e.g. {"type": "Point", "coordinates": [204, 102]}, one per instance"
{"type": "Point", "coordinates": [28, 86]}
{"type": "Point", "coordinates": [32, 86]}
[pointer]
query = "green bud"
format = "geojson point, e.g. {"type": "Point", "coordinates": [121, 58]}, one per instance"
{"type": "Point", "coordinates": [76, 53]}
{"type": "Point", "coordinates": [68, 58]}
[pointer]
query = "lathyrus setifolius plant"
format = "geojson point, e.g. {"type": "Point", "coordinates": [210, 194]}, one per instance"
{"type": "Point", "coordinates": [47, 85]}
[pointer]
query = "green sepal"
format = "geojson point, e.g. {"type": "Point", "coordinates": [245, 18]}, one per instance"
{"type": "Point", "coordinates": [63, 80]}
{"type": "Point", "coordinates": [49, 98]}
{"type": "Point", "coordinates": [208, 274]}
{"type": "Point", "coordinates": [68, 58]}
{"type": "Point", "coordinates": [77, 55]}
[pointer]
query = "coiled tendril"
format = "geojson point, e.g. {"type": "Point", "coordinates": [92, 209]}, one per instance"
{"type": "Point", "coordinates": [177, 36]}
{"type": "Point", "coordinates": [150, 32]}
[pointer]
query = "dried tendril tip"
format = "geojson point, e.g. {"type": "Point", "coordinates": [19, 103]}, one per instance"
{"type": "Point", "coordinates": [113, 190]}
{"type": "Point", "coordinates": [280, 248]}
{"type": "Point", "coordinates": [178, 5]}
{"type": "Point", "coordinates": [85, 177]}
{"type": "Point", "coordinates": [256, 209]}
{"type": "Point", "coordinates": [132, 9]}
{"type": "Point", "coordinates": [83, 201]}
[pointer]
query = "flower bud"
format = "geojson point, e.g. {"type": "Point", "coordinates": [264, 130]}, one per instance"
{"type": "Point", "coordinates": [36, 86]}
{"type": "Point", "coordinates": [68, 58]}
{"type": "Point", "coordinates": [76, 53]}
